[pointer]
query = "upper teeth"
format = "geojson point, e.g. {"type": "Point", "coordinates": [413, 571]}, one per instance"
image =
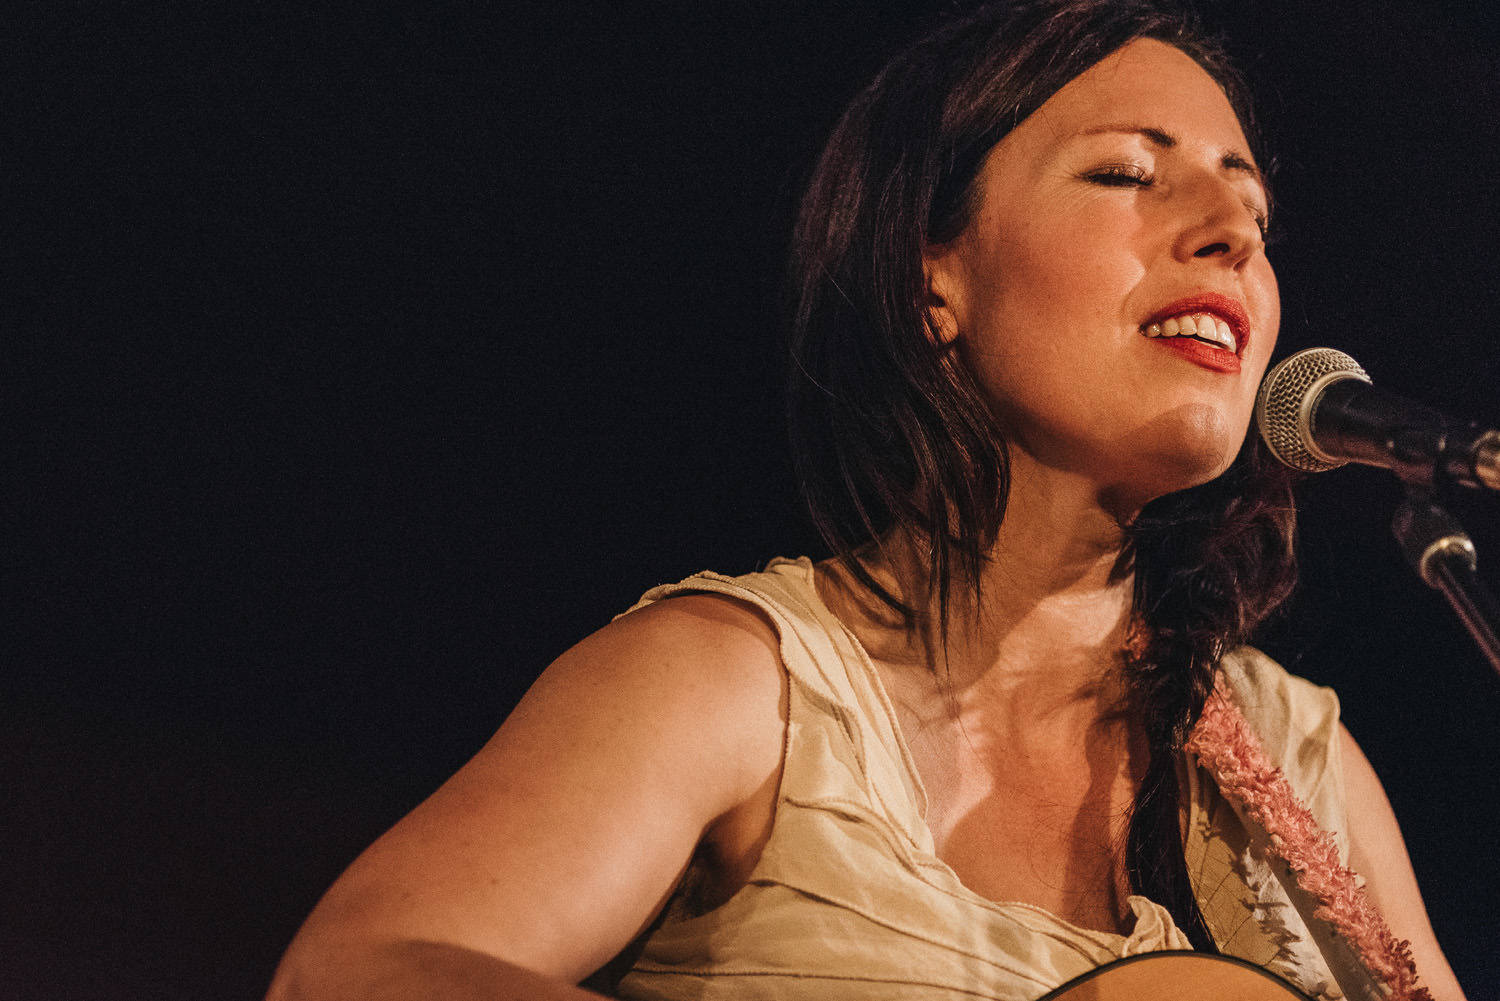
{"type": "Point", "coordinates": [1201, 325]}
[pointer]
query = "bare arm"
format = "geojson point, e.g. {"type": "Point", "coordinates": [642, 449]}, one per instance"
{"type": "Point", "coordinates": [1378, 852]}
{"type": "Point", "coordinates": [561, 840]}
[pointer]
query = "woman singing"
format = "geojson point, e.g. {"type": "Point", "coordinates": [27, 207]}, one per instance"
{"type": "Point", "coordinates": [1009, 732]}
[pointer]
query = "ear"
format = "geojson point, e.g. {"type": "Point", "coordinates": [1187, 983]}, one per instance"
{"type": "Point", "coordinates": [940, 270]}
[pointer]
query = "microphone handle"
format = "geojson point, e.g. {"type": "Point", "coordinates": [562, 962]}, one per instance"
{"type": "Point", "coordinates": [1356, 421]}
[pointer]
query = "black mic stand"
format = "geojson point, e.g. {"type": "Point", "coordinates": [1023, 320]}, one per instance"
{"type": "Point", "coordinates": [1443, 555]}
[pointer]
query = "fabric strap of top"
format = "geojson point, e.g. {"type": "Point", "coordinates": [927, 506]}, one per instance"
{"type": "Point", "coordinates": [1224, 743]}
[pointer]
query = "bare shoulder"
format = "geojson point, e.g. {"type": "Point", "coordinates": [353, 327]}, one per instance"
{"type": "Point", "coordinates": [688, 664]}
{"type": "Point", "coordinates": [696, 634]}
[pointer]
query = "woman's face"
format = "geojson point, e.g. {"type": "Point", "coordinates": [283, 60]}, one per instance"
{"type": "Point", "coordinates": [1125, 205]}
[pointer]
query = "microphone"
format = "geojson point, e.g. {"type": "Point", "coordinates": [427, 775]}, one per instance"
{"type": "Point", "coordinates": [1318, 410]}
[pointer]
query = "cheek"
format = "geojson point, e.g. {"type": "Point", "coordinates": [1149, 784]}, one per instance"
{"type": "Point", "coordinates": [1038, 283]}
{"type": "Point", "coordinates": [1042, 316]}
{"type": "Point", "coordinates": [1273, 294]}
{"type": "Point", "coordinates": [1266, 317]}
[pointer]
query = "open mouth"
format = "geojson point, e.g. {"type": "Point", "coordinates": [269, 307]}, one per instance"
{"type": "Point", "coordinates": [1199, 326]}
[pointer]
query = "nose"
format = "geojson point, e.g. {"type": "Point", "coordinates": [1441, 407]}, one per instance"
{"type": "Point", "coordinates": [1218, 223]}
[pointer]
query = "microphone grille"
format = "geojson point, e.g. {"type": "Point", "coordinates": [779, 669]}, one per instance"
{"type": "Point", "coordinates": [1283, 408]}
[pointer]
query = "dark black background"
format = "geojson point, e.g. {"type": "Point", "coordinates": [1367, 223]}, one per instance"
{"type": "Point", "coordinates": [358, 359]}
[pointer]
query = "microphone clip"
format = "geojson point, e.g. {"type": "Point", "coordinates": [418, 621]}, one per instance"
{"type": "Point", "coordinates": [1443, 555]}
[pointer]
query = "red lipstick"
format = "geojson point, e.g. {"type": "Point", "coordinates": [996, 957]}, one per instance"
{"type": "Point", "coordinates": [1220, 306]}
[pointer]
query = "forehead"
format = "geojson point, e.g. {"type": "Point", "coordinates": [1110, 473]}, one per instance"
{"type": "Point", "coordinates": [1144, 84]}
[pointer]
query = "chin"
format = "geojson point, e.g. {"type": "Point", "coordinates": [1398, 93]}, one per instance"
{"type": "Point", "coordinates": [1172, 454]}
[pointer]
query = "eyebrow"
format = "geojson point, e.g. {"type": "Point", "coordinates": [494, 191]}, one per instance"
{"type": "Point", "coordinates": [1230, 160]}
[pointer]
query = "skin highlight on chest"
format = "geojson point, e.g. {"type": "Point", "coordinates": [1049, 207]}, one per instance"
{"type": "Point", "coordinates": [1039, 819]}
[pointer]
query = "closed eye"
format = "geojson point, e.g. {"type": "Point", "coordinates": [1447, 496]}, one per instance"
{"type": "Point", "coordinates": [1120, 175]}
{"type": "Point", "coordinates": [1262, 219]}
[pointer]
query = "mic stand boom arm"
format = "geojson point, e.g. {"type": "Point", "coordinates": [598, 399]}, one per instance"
{"type": "Point", "coordinates": [1443, 555]}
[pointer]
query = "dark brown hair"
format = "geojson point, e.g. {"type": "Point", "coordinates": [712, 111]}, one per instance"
{"type": "Point", "coordinates": [889, 435]}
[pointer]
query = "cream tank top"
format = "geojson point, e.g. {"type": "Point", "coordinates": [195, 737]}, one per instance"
{"type": "Point", "coordinates": [849, 900]}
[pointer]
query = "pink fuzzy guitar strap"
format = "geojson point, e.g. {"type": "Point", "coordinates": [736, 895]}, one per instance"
{"type": "Point", "coordinates": [1224, 743]}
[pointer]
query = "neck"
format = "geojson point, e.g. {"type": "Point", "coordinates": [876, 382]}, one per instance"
{"type": "Point", "coordinates": [1045, 634]}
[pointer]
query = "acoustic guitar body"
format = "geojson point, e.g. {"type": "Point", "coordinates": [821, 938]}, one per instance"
{"type": "Point", "coordinates": [1178, 976]}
